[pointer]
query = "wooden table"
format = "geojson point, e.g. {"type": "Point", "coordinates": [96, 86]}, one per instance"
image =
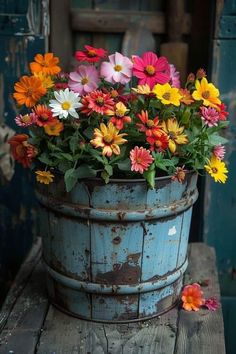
{"type": "Point", "coordinates": [29, 324]}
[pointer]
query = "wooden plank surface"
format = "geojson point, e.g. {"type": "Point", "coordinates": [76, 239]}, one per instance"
{"type": "Point", "coordinates": [30, 327]}
{"type": "Point", "coordinates": [204, 329]}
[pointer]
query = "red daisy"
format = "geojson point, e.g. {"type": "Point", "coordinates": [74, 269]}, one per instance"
{"type": "Point", "coordinates": [222, 111]}
{"type": "Point", "coordinates": [97, 101]}
{"type": "Point", "coordinates": [90, 54]}
{"type": "Point", "coordinates": [159, 140]}
{"type": "Point", "coordinates": [43, 115]}
{"type": "Point", "coordinates": [148, 125]}
{"type": "Point", "coordinates": [150, 69]}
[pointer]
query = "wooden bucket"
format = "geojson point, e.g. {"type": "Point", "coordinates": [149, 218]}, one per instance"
{"type": "Point", "coordinates": [116, 252]}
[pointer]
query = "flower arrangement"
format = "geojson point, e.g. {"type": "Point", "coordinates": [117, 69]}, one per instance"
{"type": "Point", "coordinates": [119, 117]}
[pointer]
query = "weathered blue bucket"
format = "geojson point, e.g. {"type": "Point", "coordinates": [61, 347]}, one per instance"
{"type": "Point", "coordinates": [116, 252]}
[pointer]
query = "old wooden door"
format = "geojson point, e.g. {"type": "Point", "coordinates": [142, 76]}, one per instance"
{"type": "Point", "coordinates": [23, 33]}
{"type": "Point", "coordinates": [220, 205]}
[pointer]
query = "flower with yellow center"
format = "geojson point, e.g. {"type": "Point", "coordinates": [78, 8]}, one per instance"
{"type": "Point", "coordinates": [167, 94]}
{"type": "Point", "coordinates": [44, 177]}
{"type": "Point", "coordinates": [175, 132]}
{"type": "Point", "coordinates": [46, 80]}
{"type": "Point", "coordinates": [142, 89]}
{"type": "Point", "coordinates": [108, 138]}
{"type": "Point", "coordinates": [65, 104]}
{"type": "Point", "coordinates": [217, 169]}
{"type": "Point", "coordinates": [206, 92]}
{"type": "Point", "coordinates": [119, 110]}
{"type": "Point", "coordinates": [54, 129]}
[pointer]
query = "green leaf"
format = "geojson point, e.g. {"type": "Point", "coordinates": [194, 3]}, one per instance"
{"type": "Point", "coordinates": [85, 171]}
{"type": "Point", "coordinates": [108, 169]}
{"type": "Point", "coordinates": [149, 175]}
{"type": "Point", "coordinates": [63, 166]}
{"type": "Point", "coordinates": [73, 143]}
{"type": "Point", "coordinates": [97, 155]}
{"type": "Point", "coordinates": [124, 165]}
{"type": "Point", "coordinates": [105, 176]}
{"type": "Point", "coordinates": [45, 159]}
{"type": "Point", "coordinates": [216, 139]}
{"type": "Point", "coordinates": [70, 177]}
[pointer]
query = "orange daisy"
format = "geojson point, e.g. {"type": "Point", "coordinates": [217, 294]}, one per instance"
{"type": "Point", "coordinates": [28, 90]}
{"type": "Point", "coordinates": [46, 63]}
{"type": "Point", "coordinates": [54, 129]}
{"type": "Point", "coordinates": [43, 115]}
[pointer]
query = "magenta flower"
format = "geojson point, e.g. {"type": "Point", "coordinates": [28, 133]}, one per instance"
{"type": "Point", "coordinates": [219, 152]}
{"type": "Point", "coordinates": [151, 70]}
{"type": "Point", "coordinates": [26, 120]}
{"type": "Point", "coordinates": [84, 80]}
{"type": "Point", "coordinates": [118, 70]}
{"type": "Point", "coordinates": [212, 304]}
{"type": "Point", "coordinates": [174, 77]}
{"type": "Point", "coordinates": [141, 159]}
{"type": "Point", "coordinates": [210, 116]}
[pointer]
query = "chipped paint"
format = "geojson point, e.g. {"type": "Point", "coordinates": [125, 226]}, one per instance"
{"type": "Point", "coordinates": [172, 231]}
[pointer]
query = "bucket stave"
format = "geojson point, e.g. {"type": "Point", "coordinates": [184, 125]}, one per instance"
{"type": "Point", "coordinates": [116, 252]}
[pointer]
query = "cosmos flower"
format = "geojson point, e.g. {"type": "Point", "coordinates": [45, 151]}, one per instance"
{"type": "Point", "coordinates": [192, 297]}
{"type": "Point", "coordinates": [84, 80]}
{"type": "Point", "coordinates": [117, 70]}
{"type": "Point", "coordinates": [174, 77]}
{"type": "Point", "coordinates": [150, 69]}
{"type": "Point", "coordinates": [46, 63]}
{"type": "Point", "coordinates": [167, 94]}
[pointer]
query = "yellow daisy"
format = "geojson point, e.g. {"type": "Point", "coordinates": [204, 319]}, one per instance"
{"type": "Point", "coordinates": [44, 177]}
{"type": "Point", "coordinates": [108, 138]}
{"type": "Point", "coordinates": [206, 92]}
{"type": "Point", "coordinates": [175, 133]}
{"type": "Point", "coordinates": [167, 94]}
{"type": "Point", "coordinates": [217, 169]}
{"type": "Point", "coordinates": [142, 89]}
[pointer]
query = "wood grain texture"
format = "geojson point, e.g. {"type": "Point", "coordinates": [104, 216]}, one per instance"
{"type": "Point", "coordinates": [204, 329]}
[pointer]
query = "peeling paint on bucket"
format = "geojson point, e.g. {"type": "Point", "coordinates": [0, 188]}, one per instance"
{"type": "Point", "coordinates": [116, 252]}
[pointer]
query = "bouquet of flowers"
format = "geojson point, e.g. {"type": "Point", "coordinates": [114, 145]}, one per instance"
{"type": "Point", "coordinates": [117, 117]}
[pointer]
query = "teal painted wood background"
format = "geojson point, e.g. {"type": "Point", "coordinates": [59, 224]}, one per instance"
{"type": "Point", "coordinates": [22, 35]}
{"type": "Point", "coordinates": [220, 200]}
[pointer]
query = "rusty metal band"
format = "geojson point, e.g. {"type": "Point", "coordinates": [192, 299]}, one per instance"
{"type": "Point", "coordinates": [97, 288]}
{"type": "Point", "coordinates": [84, 212]}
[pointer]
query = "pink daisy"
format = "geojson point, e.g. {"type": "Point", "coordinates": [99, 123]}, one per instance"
{"type": "Point", "coordinates": [118, 70]}
{"type": "Point", "coordinates": [141, 159]}
{"type": "Point", "coordinates": [90, 54]}
{"type": "Point", "coordinates": [174, 77]}
{"type": "Point", "coordinates": [212, 304]}
{"type": "Point", "coordinates": [219, 152]}
{"type": "Point", "coordinates": [151, 70]}
{"type": "Point", "coordinates": [26, 120]}
{"type": "Point", "coordinates": [84, 80]}
{"type": "Point", "coordinates": [210, 116]}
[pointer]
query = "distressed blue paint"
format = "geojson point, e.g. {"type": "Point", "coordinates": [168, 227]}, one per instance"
{"type": "Point", "coordinates": [135, 255]}
{"type": "Point", "coordinates": [101, 288]}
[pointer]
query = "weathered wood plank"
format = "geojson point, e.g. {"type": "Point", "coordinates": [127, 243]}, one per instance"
{"type": "Point", "coordinates": [203, 330]}
{"type": "Point", "coordinates": [20, 281]}
{"type": "Point", "coordinates": [25, 308]}
{"type": "Point", "coordinates": [121, 20]}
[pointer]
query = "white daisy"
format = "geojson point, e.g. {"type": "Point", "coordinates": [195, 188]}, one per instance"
{"type": "Point", "coordinates": [65, 104]}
